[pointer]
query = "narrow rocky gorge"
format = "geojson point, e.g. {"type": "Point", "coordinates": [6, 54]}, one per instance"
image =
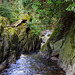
{"type": "Point", "coordinates": [57, 45]}
{"type": "Point", "coordinates": [14, 40]}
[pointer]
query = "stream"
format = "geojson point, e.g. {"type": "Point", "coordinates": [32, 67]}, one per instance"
{"type": "Point", "coordinates": [32, 64]}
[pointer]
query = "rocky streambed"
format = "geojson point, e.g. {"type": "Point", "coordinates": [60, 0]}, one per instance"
{"type": "Point", "coordinates": [32, 64]}
{"type": "Point", "coordinates": [59, 47]}
{"type": "Point", "coordinates": [29, 63]}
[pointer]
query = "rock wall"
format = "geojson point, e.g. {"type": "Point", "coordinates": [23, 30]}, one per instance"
{"type": "Point", "coordinates": [28, 41]}
{"type": "Point", "coordinates": [14, 40]}
{"type": "Point", "coordinates": [62, 50]}
{"type": "Point", "coordinates": [67, 54]}
{"type": "Point", "coordinates": [8, 46]}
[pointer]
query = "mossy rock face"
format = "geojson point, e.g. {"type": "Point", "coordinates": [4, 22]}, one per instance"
{"type": "Point", "coordinates": [4, 47]}
{"type": "Point", "coordinates": [44, 51]}
{"type": "Point", "coordinates": [13, 38]}
{"type": "Point", "coordinates": [67, 54]}
{"type": "Point", "coordinates": [8, 43]}
{"type": "Point", "coordinates": [68, 50]}
{"type": "Point", "coordinates": [64, 47]}
{"type": "Point", "coordinates": [57, 47]}
{"type": "Point", "coordinates": [28, 42]}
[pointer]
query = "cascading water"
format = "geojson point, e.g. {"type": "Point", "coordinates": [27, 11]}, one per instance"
{"type": "Point", "coordinates": [46, 35]}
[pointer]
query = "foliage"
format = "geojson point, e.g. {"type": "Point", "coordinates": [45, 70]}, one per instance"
{"type": "Point", "coordinates": [11, 10]}
{"type": "Point", "coordinates": [5, 10]}
{"type": "Point", "coordinates": [42, 12]}
{"type": "Point", "coordinates": [71, 7]}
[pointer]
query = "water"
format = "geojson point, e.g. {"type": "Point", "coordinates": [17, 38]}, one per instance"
{"type": "Point", "coordinates": [32, 65]}
{"type": "Point", "coordinates": [46, 35]}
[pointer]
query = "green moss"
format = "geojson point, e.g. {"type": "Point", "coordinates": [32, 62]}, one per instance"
{"type": "Point", "coordinates": [3, 21]}
{"type": "Point", "coordinates": [58, 44]}
{"type": "Point", "coordinates": [12, 31]}
{"type": "Point", "coordinates": [45, 47]}
{"type": "Point", "coordinates": [57, 33]}
{"type": "Point", "coordinates": [68, 50]}
{"type": "Point", "coordinates": [12, 37]}
{"type": "Point", "coordinates": [27, 17]}
{"type": "Point", "coordinates": [23, 24]}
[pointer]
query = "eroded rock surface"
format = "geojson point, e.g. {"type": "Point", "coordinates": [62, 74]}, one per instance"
{"type": "Point", "coordinates": [14, 40]}
{"type": "Point", "coordinates": [61, 50]}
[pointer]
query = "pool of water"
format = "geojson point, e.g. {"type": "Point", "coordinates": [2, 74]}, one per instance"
{"type": "Point", "coordinates": [32, 65]}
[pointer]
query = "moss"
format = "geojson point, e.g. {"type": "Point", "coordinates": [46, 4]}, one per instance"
{"type": "Point", "coordinates": [12, 37]}
{"type": "Point", "coordinates": [73, 46]}
{"type": "Point", "coordinates": [12, 31]}
{"type": "Point", "coordinates": [27, 17]}
{"type": "Point", "coordinates": [58, 44]}
{"type": "Point", "coordinates": [3, 21]}
{"type": "Point", "coordinates": [55, 32]}
{"type": "Point", "coordinates": [29, 43]}
{"type": "Point", "coordinates": [68, 50]}
{"type": "Point", "coordinates": [23, 24]}
{"type": "Point", "coordinates": [58, 32]}
{"type": "Point", "coordinates": [45, 47]}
